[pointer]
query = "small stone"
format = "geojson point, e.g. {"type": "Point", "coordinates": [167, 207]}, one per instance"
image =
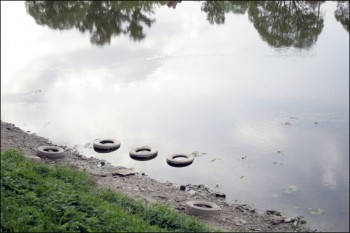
{"type": "Point", "coordinates": [242, 221]}
{"type": "Point", "coordinates": [103, 163]}
{"type": "Point", "coordinates": [287, 220]}
{"type": "Point", "coordinates": [180, 208]}
{"type": "Point", "coordinates": [295, 223]}
{"type": "Point", "coordinates": [33, 158]}
{"type": "Point", "coordinates": [143, 174]}
{"type": "Point", "coordinates": [182, 187]}
{"type": "Point", "coordinates": [123, 172]}
{"type": "Point", "coordinates": [222, 195]}
{"type": "Point", "coordinates": [276, 220]}
{"type": "Point", "coordinates": [162, 197]}
{"type": "Point", "coordinates": [192, 192]}
{"type": "Point", "coordinates": [270, 212]}
{"type": "Point", "coordinates": [236, 221]}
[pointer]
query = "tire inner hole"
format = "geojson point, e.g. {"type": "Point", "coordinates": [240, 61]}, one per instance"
{"type": "Point", "coordinates": [106, 142]}
{"type": "Point", "coordinates": [179, 157]}
{"type": "Point", "coordinates": [51, 150]}
{"type": "Point", "coordinates": [203, 206]}
{"type": "Point", "coordinates": [143, 150]}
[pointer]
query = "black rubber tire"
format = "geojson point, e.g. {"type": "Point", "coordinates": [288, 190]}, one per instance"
{"type": "Point", "coordinates": [106, 145]}
{"type": "Point", "coordinates": [202, 208]}
{"type": "Point", "coordinates": [179, 163]}
{"type": "Point", "coordinates": [50, 152]}
{"type": "Point", "coordinates": [143, 153]}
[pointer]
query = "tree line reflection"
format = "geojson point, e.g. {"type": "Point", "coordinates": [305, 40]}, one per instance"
{"type": "Point", "coordinates": [102, 19]}
{"type": "Point", "coordinates": [279, 23]}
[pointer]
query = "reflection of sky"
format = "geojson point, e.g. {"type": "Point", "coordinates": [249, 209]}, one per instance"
{"type": "Point", "coordinates": [191, 86]}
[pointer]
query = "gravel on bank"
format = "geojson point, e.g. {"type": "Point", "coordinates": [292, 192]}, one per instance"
{"type": "Point", "coordinates": [234, 216]}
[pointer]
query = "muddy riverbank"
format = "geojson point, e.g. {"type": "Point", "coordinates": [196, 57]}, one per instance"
{"type": "Point", "coordinates": [234, 216]}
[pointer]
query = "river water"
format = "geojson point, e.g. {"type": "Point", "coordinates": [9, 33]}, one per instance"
{"type": "Point", "coordinates": [258, 90]}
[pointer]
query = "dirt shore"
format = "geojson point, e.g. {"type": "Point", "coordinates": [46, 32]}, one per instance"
{"type": "Point", "coordinates": [234, 217]}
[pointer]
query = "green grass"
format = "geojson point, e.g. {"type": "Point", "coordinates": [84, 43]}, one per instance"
{"type": "Point", "coordinates": [36, 197]}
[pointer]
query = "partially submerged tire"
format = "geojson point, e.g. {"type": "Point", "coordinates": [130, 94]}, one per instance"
{"type": "Point", "coordinates": [202, 208]}
{"type": "Point", "coordinates": [172, 161]}
{"type": "Point", "coordinates": [106, 145]}
{"type": "Point", "coordinates": [143, 153]}
{"type": "Point", "coordinates": [50, 152]}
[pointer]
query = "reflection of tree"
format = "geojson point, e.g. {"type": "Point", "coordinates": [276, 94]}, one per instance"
{"type": "Point", "coordinates": [103, 19]}
{"type": "Point", "coordinates": [280, 23]}
{"type": "Point", "coordinates": [216, 10]}
{"type": "Point", "coordinates": [286, 23]}
{"type": "Point", "coordinates": [342, 13]}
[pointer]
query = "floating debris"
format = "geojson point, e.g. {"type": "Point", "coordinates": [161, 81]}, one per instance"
{"type": "Point", "coordinates": [280, 152]}
{"type": "Point", "coordinates": [197, 154]}
{"type": "Point", "coordinates": [214, 159]}
{"type": "Point", "coordinates": [243, 178]}
{"type": "Point", "coordinates": [316, 211]}
{"type": "Point", "coordinates": [290, 189]}
{"type": "Point", "coordinates": [244, 157]}
{"type": "Point", "coordinates": [287, 123]}
{"type": "Point", "coordinates": [38, 91]}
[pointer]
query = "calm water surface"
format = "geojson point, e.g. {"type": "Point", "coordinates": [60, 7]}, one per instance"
{"type": "Point", "coordinates": [260, 90]}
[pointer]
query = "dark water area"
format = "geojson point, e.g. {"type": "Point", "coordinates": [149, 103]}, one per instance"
{"type": "Point", "coordinates": [259, 91]}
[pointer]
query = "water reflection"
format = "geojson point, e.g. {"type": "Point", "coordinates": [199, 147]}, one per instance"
{"type": "Point", "coordinates": [216, 10]}
{"type": "Point", "coordinates": [173, 3]}
{"type": "Point", "coordinates": [103, 19]}
{"type": "Point", "coordinates": [280, 23]}
{"type": "Point", "coordinates": [285, 24]}
{"type": "Point", "coordinates": [342, 13]}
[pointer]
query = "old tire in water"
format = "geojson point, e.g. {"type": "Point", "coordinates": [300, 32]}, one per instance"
{"type": "Point", "coordinates": [172, 161]}
{"type": "Point", "coordinates": [50, 152]}
{"type": "Point", "coordinates": [143, 153]}
{"type": "Point", "coordinates": [106, 145]}
{"type": "Point", "coordinates": [202, 208]}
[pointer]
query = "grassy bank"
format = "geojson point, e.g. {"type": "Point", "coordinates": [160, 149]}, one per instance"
{"type": "Point", "coordinates": [38, 198]}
